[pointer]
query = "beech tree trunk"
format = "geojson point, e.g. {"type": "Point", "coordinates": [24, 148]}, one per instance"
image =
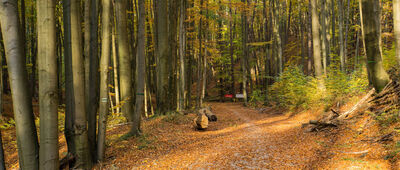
{"type": "Point", "coordinates": [27, 141]}
{"type": "Point", "coordinates": [140, 70]}
{"type": "Point", "coordinates": [104, 103]}
{"type": "Point", "coordinates": [371, 30]}
{"type": "Point", "coordinates": [162, 56]}
{"type": "Point", "coordinates": [316, 40]}
{"type": "Point", "coordinates": [48, 82]}
{"type": "Point", "coordinates": [94, 77]}
{"type": "Point", "coordinates": [125, 59]}
{"type": "Point", "coordinates": [396, 19]}
{"type": "Point", "coordinates": [80, 136]}
{"type": "Point", "coordinates": [182, 45]}
{"type": "Point", "coordinates": [341, 37]}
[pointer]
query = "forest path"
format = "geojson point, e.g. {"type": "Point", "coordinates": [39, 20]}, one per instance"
{"type": "Point", "coordinates": [242, 138]}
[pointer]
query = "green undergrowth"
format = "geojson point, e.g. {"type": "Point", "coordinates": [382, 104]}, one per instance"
{"type": "Point", "coordinates": [295, 90]}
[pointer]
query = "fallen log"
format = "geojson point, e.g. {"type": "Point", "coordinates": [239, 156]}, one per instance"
{"type": "Point", "coordinates": [210, 115]}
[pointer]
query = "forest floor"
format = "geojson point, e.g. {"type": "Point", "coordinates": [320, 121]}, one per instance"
{"type": "Point", "coordinates": [242, 138]}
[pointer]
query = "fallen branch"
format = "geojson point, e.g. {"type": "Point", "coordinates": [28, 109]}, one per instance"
{"type": "Point", "coordinates": [355, 153]}
{"type": "Point", "coordinates": [355, 107]}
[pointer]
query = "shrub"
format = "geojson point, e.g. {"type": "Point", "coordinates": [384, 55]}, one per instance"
{"type": "Point", "coordinates": [293, 89]}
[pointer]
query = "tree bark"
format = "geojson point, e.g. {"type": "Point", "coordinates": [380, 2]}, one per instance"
{"type": "Point", "coordinates": [324, 39]}
{"type": "Point", "coordinates": [199, 59]}
{"type": "Point", "coordinates": [162, 56]}
{"type": "Point", "coordinates": [233, 91]}
{"type": "Point", "coordinates": [69, 104]}
{"type": "Point", "coordinates": [245, 53]}
{"type": "Point", "coordinates": [341, 37]}
{"type": "Point", "coordinates": [125, 59]}
{"type": "Point", "coordinates": [48, 82]}
{"type": "Point", "coordinates": [140, 70]}
{"type": "Point", "coordinates": [371, 35]}
{"type": "Point", "coordinates": [396, 20]}
{"type": "Point", "coordinates": [104, 103]}
{"type": "Point", "coordinates": [2, 162]}
{"type": "Point", "coordinates": [182, 54]}
{"type": "Point", "coordinates": [80, 136]}
{"type": "Point", "coordinates": [94, 76]}
{"type": "Point", "coordinates": [316, 40]}
{"type": "Point", "coordinates": [28, 147]}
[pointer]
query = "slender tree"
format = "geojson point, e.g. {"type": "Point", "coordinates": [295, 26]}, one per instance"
{"type": "Point", "coordinates": [140, 70]}
{"type": "Point", "coordinates": [341, 36]}
{"type": "Point", "coordinates": [28, 147]}
{"type": "Point", "coordinates": [104, 79]}
{"type": "Point", "coordinates": [182, 54]}
{"type": "Point", "coordinates": [396, 19]}
{"type": "Point", "coordinates": [2, 162]}
{"type": "Point", "coordinates": [48, 82]}
{"type": "Point", "coordinates": [371, 30]}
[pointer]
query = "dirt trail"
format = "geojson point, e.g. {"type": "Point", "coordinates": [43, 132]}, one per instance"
{"type": "Point", "coordinates": [242, 138]}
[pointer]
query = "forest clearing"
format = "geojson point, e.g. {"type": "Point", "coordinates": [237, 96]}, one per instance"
{"type": "Point", "coordinates": [199, 84]}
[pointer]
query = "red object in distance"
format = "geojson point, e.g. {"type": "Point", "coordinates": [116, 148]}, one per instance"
{"type": "Point", "coordinates": [228, 96]}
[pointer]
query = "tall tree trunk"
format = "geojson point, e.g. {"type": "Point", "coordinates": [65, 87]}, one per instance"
{"type": "Point", "coordinates": [48, 82]}
{"type": "Point", "coordinates": [140, 70]}
{"type": "Point", "coordinates": [277, 35]}
{"type": "Point", "coordinates": [341, 37]}
{"type": "Point", "coordinates": [309, 41]}
{"type": "Point", "coordinates": [28, 147]}
{"type": "Point", "coordinates": [370, 10]}
{"type": "Point", "coordinates": [115, 70]}
{"type": "Point", "coordinates": [2, 162]}
{"type": "Point", "coordinates": [233, 91]}
{"type": "Point", "coordinates": [104, 103]}
{"type": "Point", "coordinates": [125, 59]}
{"type": "Point", "coordinates": [83, 158]}
{"type": "Point", "coordinates": [162, 56]}
{"type": "Point", "coordinates": [172, 38]}
{"type": "Point", "coordinates": [324, 39]}
{"type": "Point", "coordinates": [93, 83]}
{"type": "Point", "coordinates": [182, 54]}
{"type": "Point", "coordinates": [396, 19]}
{"type": "Point", "coordinates": [86, 46]}
{"type": "Point", "coordinates": [69, 104]}
{"type": "Point", "coordinates": [245, 53]}
{"type": "Point", "coordinates": [316, 40]}
{"type": "Point", "coordinates": [199, 59]}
